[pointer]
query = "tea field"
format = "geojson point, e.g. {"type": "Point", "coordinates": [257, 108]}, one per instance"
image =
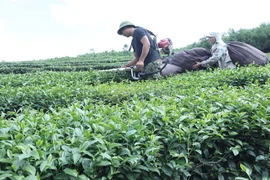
{"type": "Point", "coordinates": [65, 119]}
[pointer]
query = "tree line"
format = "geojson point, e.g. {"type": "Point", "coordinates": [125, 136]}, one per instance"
{"type": "Point", "coordinates": [258, 37]}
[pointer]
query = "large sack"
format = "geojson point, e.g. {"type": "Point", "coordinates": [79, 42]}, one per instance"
{"type": "Point", "coordinates": [244, 54]}
{"type": "Point", "coordinates": [187, 58]}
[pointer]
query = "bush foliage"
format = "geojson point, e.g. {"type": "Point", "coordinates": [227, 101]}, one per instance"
{"type": "Point", "coordinates": [63, 118]}
{"type": "Point", "coordinates": [198, 125]}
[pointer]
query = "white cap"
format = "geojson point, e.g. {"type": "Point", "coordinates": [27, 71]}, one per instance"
{"type": "Point", "coordinates": [212, 34]}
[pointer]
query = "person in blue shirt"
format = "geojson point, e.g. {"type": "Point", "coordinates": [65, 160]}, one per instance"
{"type": "Point", "coordinates": [146, 54]}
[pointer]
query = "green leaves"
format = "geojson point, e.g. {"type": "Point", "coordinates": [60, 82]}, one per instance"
{"type": "Point", "coordinates": [235, 150]}
{"type": "Point", "coordinates": [71, 172]}
{"type": "Point", "coordinates": [247, 170]}
{"type": "Point", "coordinates": [199, 125]}
{"type": "Point", "coordinates": [30, 169]}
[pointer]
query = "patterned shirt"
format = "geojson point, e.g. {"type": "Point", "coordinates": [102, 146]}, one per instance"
{"type": "Point", "coordinates": [220, 54]}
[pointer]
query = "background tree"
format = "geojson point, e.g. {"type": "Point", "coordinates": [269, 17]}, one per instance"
{"type": "Point", "coordinates": [92, 51]}
{"type": "Point", "coordinates": [258, 37]}
{"type": "Point", "coordinates": [125, 48]}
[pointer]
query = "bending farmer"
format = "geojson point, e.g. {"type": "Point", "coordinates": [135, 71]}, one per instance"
{"type": "Point", "coordinates": [146, 54]}
{"type": "Point", "coordinates": [219, 53]}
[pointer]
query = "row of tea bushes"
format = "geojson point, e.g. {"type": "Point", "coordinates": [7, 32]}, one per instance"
{"type": "Point", "coordinates": [45, 90]}
{"type": "Point", "coordinates": [205, 133]}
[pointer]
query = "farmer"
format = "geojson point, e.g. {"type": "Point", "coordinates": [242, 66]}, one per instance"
{"type": "Point", "coordinates": [219, 53]}
{"type": "Point", "coordinates": [146, 54]}
{"type": "Point", "coordinates": [166, 46]}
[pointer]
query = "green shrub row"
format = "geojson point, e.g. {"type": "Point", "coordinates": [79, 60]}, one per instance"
{"type": "Point", "coordinates": [65, 68]}
{"type": "Point", "coordinates": [196, 133]}
{"type": "Point", "coordinates": [34, 64]}
{"type": "Point", "coordinates": [46, 90]}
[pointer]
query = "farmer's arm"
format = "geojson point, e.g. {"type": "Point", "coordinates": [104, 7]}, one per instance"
{"type": "Point", "coordinates": [145, 50]}
{"type": "Point", "coordinates": [217, 54]}
{"type": "Point", "coordinates": [133, 61]}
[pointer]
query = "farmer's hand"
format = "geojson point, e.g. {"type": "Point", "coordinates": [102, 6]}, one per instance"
{"type": "Point", "coordinates": [197, 65]}
{"type": "Point", "coordinates": [140, 64]}
{"type": "Point", "coordinates": [125, 66]}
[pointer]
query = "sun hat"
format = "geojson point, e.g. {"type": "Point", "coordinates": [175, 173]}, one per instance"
{"type": "Point", "coordinates": [164, 42]}
{"type": "Point", "coordinates": [123, 25]}
{"type": "Point", "coordinates": [212, 34]}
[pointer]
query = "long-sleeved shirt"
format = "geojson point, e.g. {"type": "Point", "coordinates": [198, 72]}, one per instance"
{"type": "Point", "coordinates": [220, 54]}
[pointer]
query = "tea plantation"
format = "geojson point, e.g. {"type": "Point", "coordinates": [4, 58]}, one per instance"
{"type": "Point", "coordinates": [63, 118]}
